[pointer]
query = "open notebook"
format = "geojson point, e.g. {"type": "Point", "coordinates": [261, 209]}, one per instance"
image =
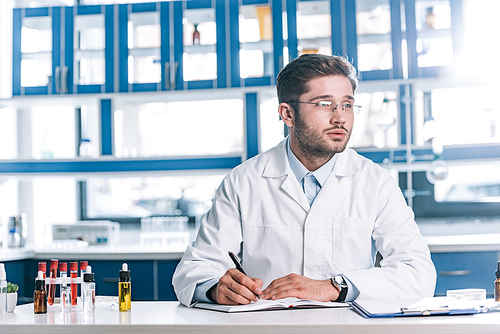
{"type": "Point", "coordinates": [265, 305]}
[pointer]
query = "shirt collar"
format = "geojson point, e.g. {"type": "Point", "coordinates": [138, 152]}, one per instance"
{"type": "Point", "coordinates": [298, 169]}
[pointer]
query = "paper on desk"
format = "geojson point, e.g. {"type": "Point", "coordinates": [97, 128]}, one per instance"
{"type": "Point", "coordinates": [437, 304]}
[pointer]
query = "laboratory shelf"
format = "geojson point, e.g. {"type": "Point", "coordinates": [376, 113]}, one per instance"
{"type": "Point", "coordinates": [114, 165]}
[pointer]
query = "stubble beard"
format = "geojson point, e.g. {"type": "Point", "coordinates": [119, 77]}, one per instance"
{"type": "Point", "coordinates": [314, 145]}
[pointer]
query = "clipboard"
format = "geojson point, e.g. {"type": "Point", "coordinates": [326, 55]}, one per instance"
{"type": "Point", "coordinates": [422, 307]}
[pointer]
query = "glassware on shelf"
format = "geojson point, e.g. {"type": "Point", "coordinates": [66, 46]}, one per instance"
{"type": "Point", "coordinates": [314, 27]}
{"type": "Point", "coordinates": [89, 50]}
{"type": "Point", "coordinates": [373, 27]}
{"type": "Point", "coordinates": [200, 40]}
{"type": "Point", "coordinates": [36, 51]}
{"type": "Point", "coordinates": [144, 41]}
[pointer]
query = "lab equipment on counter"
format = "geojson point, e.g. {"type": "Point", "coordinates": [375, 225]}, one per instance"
{"type": "Point", "coordinates": [65, 288]}
{"type": "Point", "coordinates": [124, 289]}
{"type": "Point", "coordinates": [88, 290]}
{"type": "Point", "coordinates": [168, 231]}
{"type": "Point", "coordinates": [40, 295]}
{"type": "Point", "coordinates": [101, 232]}
{"type": "Point", "coordinates": [17, 230]}
{"type": "Point", "coordinates": [54, 264]}
{"type": "Point", "coordinates": [467, 294]}
{"type": "Point", "coordinates": [42, 266]}
{"type": "Point", "coordinates": [73, 268]}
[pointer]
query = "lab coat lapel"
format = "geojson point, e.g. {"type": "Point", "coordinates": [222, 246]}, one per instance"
{"type": "Point", "coordinates": [278, 166]}
{"type": "Point", "coordinates": [345, 166]}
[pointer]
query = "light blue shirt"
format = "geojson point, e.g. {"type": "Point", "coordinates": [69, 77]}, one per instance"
{"type": "Point", "coordinates": [311, 183]}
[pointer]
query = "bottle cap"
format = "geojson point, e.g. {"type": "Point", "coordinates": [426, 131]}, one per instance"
{"type": "Point", "coordinates": [88, 276]}
{"type": "Point", "coordinates": [63, 266]}
{"type": "Point", "coordinates": [54, 264]}
{"type": "Point", "coordinates": [39, 281]}
{"type": "Point", "coordinates": [124, 273]}
{"type": "Point", "coordinates": [3, 275]}
{"type": "Point", "coordinates": [42, 266]}
{"type": "Point", "coordinates": [83, 265]}
{"type": "Point", "coordinates": [497, 272]}
{"type": "Point", "coordinates": [73, 266]}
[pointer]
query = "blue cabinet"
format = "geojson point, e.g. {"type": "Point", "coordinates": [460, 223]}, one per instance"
{"type": "Point", "coordinates": [141, 274]}
{"type": "Point", "coordinates": [63, 50]}
{"type": "Point", "coordinates": [151, 279]}
{"type": "Point", "coordinates": [165, 272]}
{"type": "Point", "coordinates": [172, 46]}
{"type": "Point", "coordinates": [464, 270]}
{"type": "Point", "coordinates": [256, 42]}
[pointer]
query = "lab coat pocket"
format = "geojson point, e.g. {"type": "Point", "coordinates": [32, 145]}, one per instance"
{"type": "Point", "coordinates": [352, 243]}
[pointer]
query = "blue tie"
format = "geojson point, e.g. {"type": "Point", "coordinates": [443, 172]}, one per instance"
{"type": "Point", "coordinates": [310, 187]}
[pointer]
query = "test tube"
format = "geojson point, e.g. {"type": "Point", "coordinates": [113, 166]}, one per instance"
{"type": "Point", "coordinates": [42, 266]}
{"type": "Point", "coordinates": [73, 267]}
{"type": "Point", "coordinates": [65, 288]}
{"type": "Point", "coordinates": [53, 275]}
{"type": "Point", "coordinates": [83, 267]}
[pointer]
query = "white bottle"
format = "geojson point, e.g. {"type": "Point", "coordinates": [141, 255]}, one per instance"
{"type": "Point", "coordinates": [3, 289]}
{"type": "Point", "coordinates": [88, 290]}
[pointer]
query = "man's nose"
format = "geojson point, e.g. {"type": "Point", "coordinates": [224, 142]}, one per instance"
{"type": "Point", "coordinates": [338, 116]}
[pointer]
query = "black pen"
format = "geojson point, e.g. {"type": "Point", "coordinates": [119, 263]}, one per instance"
{"type": "Point", "coordinates": [238, 266]}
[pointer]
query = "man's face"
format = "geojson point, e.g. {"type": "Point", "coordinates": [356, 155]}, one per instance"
{"type": "Point", "coordinates": [319, 133]}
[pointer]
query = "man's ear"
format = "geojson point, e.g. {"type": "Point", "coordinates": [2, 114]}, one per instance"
{"type": "Point", "coordinates": [287, 114]}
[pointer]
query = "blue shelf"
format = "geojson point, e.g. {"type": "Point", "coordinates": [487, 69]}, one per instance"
{"type": "Point", "coordinates": [116, 165]}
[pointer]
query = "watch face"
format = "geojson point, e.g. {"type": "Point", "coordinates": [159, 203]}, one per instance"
{"type": "Point", "coordinates": [340, 281]}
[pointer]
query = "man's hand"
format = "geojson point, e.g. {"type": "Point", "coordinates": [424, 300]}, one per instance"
{"type": "Point", "coordinates": [294, 285]}
{"type": "Point", "coordinates": [236, 288]}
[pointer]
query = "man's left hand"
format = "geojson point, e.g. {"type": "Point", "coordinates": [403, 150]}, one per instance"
{"type": "Point", "coordinates": [302, 287]}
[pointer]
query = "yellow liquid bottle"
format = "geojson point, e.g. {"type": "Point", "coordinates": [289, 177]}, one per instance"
{"type": "Point", "coordinates": [124, 290]}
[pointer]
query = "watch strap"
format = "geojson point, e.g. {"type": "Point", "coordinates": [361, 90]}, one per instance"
{"type": "Point", "coordinates": [342, 289]}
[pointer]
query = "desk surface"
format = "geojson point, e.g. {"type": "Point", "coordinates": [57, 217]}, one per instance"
{"type": "Point", "coordinates": [170, 317]}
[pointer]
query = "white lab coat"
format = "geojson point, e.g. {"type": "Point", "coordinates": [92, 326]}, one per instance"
{"type": "Point", "coordinates": [261, 213]}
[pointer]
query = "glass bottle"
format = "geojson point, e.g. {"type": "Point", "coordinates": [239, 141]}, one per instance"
{"type": "Point", "coordinates": [40, 295]}
{"type": "Point", "coordinates": [88, 290]}
{"type": "Point", "coordinates": [124, 289]}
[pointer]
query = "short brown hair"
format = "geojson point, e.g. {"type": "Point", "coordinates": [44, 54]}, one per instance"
{"type": "Point", "coordinates": [293, 80]}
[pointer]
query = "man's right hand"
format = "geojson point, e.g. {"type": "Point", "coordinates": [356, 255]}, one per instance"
{"type": "Point", "coordinates": [236, 288]}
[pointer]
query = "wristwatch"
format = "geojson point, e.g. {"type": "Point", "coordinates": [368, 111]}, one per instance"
{"type": "Point", "coordinates": [340, 283]}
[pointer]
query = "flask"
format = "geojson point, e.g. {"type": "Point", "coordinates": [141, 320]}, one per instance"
{"type": "Point", "coordinates": [3, 289]}
{"type": "Point", "coordinates": [40, 295]}
{"type": "Point", "coordinates": [497, 283]}
{"type": "Point", "coordinates": [88, 290]}
{"type": "Point", "coordinates": [124, 289]}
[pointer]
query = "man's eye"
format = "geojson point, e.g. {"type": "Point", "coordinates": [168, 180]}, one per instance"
{"type": "Point", "coordinates": [347, 106]}
{"type": "Point", "coordinates": [324, 104]}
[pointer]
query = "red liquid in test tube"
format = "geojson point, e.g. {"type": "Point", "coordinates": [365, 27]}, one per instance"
{"type": "Point", "coordinates": [54, 264]}
{"type": "Point", "coordinates": [73, 267]}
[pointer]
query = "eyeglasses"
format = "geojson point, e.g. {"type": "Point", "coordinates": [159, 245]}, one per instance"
{"type": "Point", "coordinates": [329, 106]}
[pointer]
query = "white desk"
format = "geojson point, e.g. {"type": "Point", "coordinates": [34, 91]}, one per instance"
{"type": "Point", "coordinates": [170, 317]}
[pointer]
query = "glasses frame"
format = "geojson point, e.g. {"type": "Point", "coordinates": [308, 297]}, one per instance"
{"type": "Point", "coordinates": [319, 104]}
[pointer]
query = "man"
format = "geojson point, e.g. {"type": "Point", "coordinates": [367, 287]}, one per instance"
{"type": "Point", "coordinates": [307, 217]}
